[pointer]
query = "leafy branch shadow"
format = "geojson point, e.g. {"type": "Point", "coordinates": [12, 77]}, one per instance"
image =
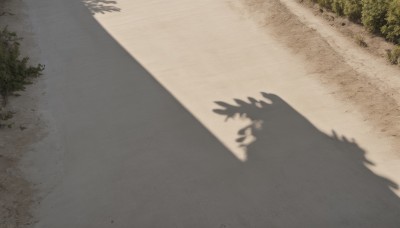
{"type": "Point", "coordinates": [101, 6]}
{"type": "Point", "coordinates": [290, 161]}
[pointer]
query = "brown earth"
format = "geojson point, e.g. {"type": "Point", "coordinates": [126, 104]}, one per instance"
{"type": "Point", "coordinates": [373, 98]}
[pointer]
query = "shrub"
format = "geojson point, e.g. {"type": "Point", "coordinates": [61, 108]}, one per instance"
{"type": "Point", "coordinates": [360, 41]}
{"type": "Point", "coordinates": [353, 9]}
{"type": "Point", "coordinates": [4, 116]}
{"type": "Point", "coordinates": [325, 3]}
{"type": "Point", "coordinates": [394, 55]}
{"type": "Point", "coordinates": [374, 14]}
{"type": "Point", "coordinates": [337, 6]}
{"type": "Point", "coordinates": [350, 8]}
{"type": "Point", "coordinates": [15, 73]}
{"type": "Point", "coordinates": [392, 29]}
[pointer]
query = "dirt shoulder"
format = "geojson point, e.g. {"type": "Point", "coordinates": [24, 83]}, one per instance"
{"type": "Point", "coordinates": [372, 93]}
{"type": "Point", "coordinates": [375, 45]}
{"type": "Point", "coordinates": [16, 195]}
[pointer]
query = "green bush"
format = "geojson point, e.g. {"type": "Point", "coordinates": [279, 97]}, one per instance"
{"type": "Point", "coordinates": [324, 3]}
{"type": "Point", "coordinates": [392, 29]}
{"type": "Point", "coordinates": [374, 14]}
{"type": "Point", "coordinates": [337, 6]}
{"type": "Point", "coordinates": [15, 73]}
{"type": "Point", "coordinates": [393, 55]}
{"type": "Point", "coordinates": [350, 8]}
{"type": "Point", "coordinates": [353, 9]}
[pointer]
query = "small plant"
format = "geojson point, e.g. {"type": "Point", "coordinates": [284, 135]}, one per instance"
{"type": "Point", "coordinates": [393, 55]}
{"type": "Point", "coordinates": [360, 41]}
{"type": "Point", "coordinates": [15, 73]}
{"type": "Point", "coordinates": [4, 116]}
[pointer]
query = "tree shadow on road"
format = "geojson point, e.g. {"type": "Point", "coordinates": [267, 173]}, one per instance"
{"type": "Point", "coordinates": [135, 157]}
{"type": "Point", "coordinates": [303, 176]}
{"type": "Point", "coordinates": [101, 6]}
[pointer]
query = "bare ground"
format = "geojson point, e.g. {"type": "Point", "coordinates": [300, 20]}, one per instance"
{"type": "Point", "coordinates": [376, 45]}
{"type": "Point", "coordinates": [371, 96]}
{"type": "Point", "coordinates": [16, 195]}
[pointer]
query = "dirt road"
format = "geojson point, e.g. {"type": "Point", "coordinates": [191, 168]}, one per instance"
{"type": "Point", "coordinates": [210, 114]}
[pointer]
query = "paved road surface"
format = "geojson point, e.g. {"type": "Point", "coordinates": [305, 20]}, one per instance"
{"type": "Point", "coordinates": [187, 114]}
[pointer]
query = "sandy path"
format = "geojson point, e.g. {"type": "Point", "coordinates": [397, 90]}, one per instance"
{"type": "Point", "coordinates": [125, 151]}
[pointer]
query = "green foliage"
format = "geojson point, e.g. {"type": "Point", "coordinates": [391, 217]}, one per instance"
{"type": "Point", "coordinates": [338, 6]}
{"type": "Point", "coordinates": [394, 55]}
{"type": "Point", "coordinates": [324, 3]}
{"type": "Point", "coordinates": [353, 9]}
{"type": "Point", "coordinates": [374, 14]}
{"type": "Point", "coordinates": [15, 73]}
{"type": "Point", "coordinates": [392, 28]}
{"type": "Point", "coordinates": [350, 8]}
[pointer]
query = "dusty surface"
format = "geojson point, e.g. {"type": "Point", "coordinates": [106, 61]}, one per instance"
{"type": "Point", "coordinates": [16, 196]}
{"type": "Point", "coordinates": [211, 114]}
{"type": "Point", "coordinates": [376, 45]}
{"type": "Point", "coordinates": [373, 93]}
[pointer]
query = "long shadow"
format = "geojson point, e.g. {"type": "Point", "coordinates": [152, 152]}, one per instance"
{"type": "Point", "coordinates": [101, 6]}
{"type": "Point", "coordinates": [134, 157]}
{"type": "Point", "coordinates": [302, 177]}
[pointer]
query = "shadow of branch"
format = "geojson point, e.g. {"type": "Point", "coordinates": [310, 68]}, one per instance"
{"type": "Point", "coordinates": [101, 6]}
{"type": "Point", "coordinates": [323, 172]}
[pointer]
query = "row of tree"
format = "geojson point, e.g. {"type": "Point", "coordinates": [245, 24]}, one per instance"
{"type": "Point", "coordinates": [378, 16]}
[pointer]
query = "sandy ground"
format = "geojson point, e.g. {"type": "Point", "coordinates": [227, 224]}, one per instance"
{"type": "Point", "coordinates": [16, 195]}
{"type": "Point", "coordinates": [210, 113]}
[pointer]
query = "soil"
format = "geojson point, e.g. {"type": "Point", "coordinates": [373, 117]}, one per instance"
{"type": "Point", "coordinates": [378, 103]}
{"type": "Point", "coordinates": [375, 44]}
{"type": "Point", "coordinates": [19, 132]}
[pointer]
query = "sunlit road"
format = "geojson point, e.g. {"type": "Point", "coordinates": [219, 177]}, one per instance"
{"type": "Point", "coordinates": [145, 131]}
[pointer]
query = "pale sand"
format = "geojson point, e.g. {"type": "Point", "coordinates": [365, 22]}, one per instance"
{"type": "Point", "coordinates": [125, 153]}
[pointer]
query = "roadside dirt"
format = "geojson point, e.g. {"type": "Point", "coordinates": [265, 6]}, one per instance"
{"type": "Point", "coordinates": [375, 45]}
{"type": "Point", "coordinates": [16, 195]}
{"type": "Point", "coordinates": [377, 102]}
